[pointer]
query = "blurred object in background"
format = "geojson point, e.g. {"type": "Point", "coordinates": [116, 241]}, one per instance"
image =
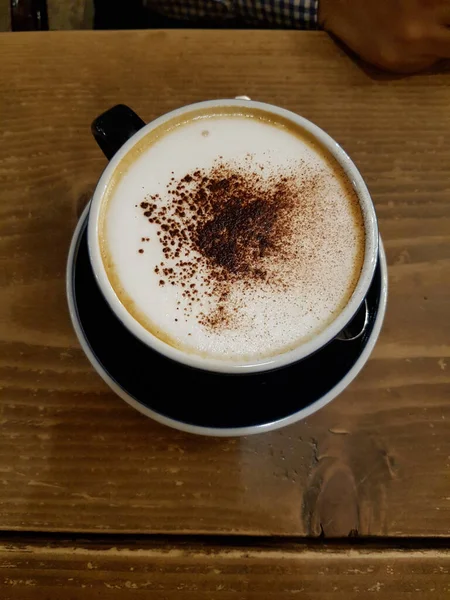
{"type": "Point", "coordinates": [27, 15]}
{"type": "Point", "coordinates": [122, 14]}
{"type": "Point", "coordinates": [36, 15]}
{"type": "Point", "coordinates": [5, 15]}
{"type": "Point", "coordinates": [70, 14]}
{"type": "Point", "coordinates": [140, 14]}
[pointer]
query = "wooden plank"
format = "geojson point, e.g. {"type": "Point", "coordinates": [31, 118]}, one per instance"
{"type": "Point", "coordinates": [34, 572]}
{"type": "Point", "coordinates": [75, 457]}
{"type": "Point", "coordinates": [71, 14]}
{"type": "Point", "coordinates": [5, 15]}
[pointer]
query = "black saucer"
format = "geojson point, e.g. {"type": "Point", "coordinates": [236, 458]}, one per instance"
{"type": "Point", "coordinates": [194, 399]}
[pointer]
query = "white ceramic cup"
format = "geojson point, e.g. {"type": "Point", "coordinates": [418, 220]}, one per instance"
{"type": "Point", "coordinates": [112, 131]}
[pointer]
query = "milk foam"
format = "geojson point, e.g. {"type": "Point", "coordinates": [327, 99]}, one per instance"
{"type": "Point", "coordinates": [264, 319]}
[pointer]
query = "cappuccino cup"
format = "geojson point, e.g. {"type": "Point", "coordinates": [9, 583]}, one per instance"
{"type": "Point", "coordinates": [230, 235]}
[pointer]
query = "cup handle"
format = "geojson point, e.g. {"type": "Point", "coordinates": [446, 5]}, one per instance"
{"type": "Point", "coordinates": [114, 127]}
{"type": "Point", "coordinates": [357, 326]}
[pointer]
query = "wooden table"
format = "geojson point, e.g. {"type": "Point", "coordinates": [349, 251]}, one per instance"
{"type": "Point", "coordinates": [86, 482]}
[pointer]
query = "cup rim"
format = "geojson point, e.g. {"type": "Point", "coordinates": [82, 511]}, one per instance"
{"type": "Point", "coordinates": [215, 364]}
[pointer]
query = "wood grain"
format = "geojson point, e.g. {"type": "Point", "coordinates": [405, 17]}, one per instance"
{"type": "Point", "coordinates": [33, 572]}
{"type": "Point", "coordinates": [73, 457]}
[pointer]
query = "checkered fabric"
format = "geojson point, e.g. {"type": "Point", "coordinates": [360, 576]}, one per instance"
{"type": "Point", "coordinates": [289, 14]}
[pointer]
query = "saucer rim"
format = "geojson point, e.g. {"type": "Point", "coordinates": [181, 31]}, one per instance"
{"type": "Point", "coordinates": [216, 431]}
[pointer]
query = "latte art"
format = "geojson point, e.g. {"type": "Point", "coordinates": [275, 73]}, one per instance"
{"type": "Point", "coordinates": [229, 236]}
{"type": "Point", "coordinates": [232, 236]}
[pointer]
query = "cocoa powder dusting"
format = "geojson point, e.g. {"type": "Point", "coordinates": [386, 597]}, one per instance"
{"type": "Point", "coordinates": [224, 226]}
